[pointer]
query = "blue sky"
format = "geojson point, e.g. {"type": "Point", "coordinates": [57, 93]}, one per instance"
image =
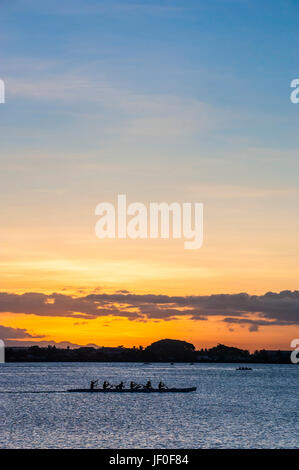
{"type": "Point", "coordinates": [214, 77]}
{"type": "Point", "coordinates": [234, 55]}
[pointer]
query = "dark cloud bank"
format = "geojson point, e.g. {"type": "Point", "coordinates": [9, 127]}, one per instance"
{"type": "Point", "coordinates": [252, 311]}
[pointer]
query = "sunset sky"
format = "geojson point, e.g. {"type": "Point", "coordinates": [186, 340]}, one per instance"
{"type": "Point", "coordinates": [185, 101]}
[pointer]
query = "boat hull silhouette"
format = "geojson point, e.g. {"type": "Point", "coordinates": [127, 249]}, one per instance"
{"type": "Point", "coordinates": [127, 390]}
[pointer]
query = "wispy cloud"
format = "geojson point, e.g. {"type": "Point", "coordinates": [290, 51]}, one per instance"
{"type": "Point", "coordinates": [84, 92]}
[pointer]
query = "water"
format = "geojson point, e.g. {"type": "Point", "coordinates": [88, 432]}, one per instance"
{"type": "Point", "coordinates": [230, 409]}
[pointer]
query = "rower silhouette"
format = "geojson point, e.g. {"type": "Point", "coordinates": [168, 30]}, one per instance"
{"type": "Point", "coordinates": [148, 385]}
{"type": "Point", "coordinates": [106, 385]}
{"type": "Point", "coordinates": [93, 383]}
{"type": "Point", "coordinates": [162, 386]}
{"type": "Point", "coordinates": [120, 386]}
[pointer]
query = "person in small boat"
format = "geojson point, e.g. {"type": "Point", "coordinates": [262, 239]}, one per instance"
{"type": "Point", "coordinates": [162, 386]}
{"type": "Point", "coordinates": [120, 386]}
{"type": "Point", "coordinates": [106, 385]}
{"type": "Point", "coordinates": [148, 385]}
{"type": "Point", "coordinates": [93, 383]}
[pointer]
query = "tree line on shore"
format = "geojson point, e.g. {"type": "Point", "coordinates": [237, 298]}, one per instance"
{"type": "Point", "coordinates": [166, 350]}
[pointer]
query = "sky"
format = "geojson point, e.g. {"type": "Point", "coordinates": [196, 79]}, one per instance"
{"type": "Point", "coordinates": [161, 101]}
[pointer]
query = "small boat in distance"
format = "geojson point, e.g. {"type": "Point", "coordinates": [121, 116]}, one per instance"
{"type": "Point", "coordinates": [128, 390]}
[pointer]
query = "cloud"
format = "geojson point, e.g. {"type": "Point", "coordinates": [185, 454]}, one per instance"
{"type": "Point", "coordinates": [9, 333]}
{"type": "Point", "coordinates": [270, 309]}
{"type": "Point", "coordinates": [253, 325]}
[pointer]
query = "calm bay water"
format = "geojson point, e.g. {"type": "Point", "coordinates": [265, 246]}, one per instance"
{"type": "Point", "coordinates": [230, 409]}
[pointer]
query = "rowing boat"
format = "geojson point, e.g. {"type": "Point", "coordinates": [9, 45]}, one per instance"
{"type": "Point", "coordinates": [128, 390]}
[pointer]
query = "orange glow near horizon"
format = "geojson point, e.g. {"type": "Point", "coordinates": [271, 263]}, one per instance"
{"type": "Point", "coordinates": [80, 265]}
{"type": "Point", "coordinates": [115, 331]}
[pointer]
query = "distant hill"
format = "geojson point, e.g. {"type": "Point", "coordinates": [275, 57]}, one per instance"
{"type": "Point", "coordinates": [164, 350]}
{"type": "Point", "coordinates": [172, 350]}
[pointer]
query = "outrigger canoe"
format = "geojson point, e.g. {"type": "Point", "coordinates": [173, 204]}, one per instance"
{"type": "Point", "coordinates": [128, 390]}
